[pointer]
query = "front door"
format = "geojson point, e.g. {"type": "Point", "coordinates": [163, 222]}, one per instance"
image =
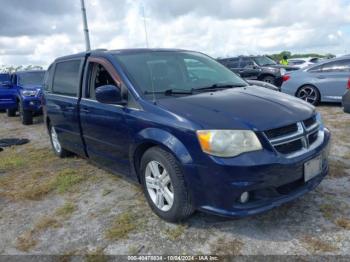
{"type": "Point", "coordinates": [103, 125]}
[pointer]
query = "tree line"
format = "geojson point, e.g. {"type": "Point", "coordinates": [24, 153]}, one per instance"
{"type": "Point", "coordinates": [12, 69]}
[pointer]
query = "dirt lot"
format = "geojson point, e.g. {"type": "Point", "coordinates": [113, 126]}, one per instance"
{"type": "Point", "coordinates": [68, 206]}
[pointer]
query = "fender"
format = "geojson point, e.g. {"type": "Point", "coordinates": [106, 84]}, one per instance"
{"type": "Point", "coordinates": [156, 136]}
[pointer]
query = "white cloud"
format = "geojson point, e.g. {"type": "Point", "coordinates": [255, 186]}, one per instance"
{"type": "Point", "coordinates": [219, 28]}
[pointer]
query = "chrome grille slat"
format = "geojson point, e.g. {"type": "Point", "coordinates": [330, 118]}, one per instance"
{"type": "Point", "coordinates": [308, 132]}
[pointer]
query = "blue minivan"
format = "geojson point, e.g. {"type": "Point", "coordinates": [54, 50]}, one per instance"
{"type": "Point", "coordinates": [194, 134]}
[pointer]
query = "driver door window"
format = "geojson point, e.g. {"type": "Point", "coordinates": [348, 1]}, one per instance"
{"type": "Point", "coordinates": [99, 76]}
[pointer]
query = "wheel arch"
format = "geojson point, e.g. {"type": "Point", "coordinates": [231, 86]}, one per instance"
{"type": "Point", "coordinates": [263, 75]}
{"type": "Point", "coordinates": [152, 137]}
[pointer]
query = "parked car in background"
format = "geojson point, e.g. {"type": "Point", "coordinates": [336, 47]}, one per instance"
{"type": "Point", "coordinates": [303, 62]}
{"type": "Point", "coordinates": [195, 141]}
{"type": "Point", "coordinates": [7, 94]}
{"type": "Point", "coordinates": [27, 87]}
{"type": "Point", "coordinates": [346, 98]}
{"type": "Point", "coordinates": [260, 68]}
{"type": "Point", "coordinates": [323, 82]}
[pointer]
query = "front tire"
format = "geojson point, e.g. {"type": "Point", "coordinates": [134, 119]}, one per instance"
{"type": "Point", "coordinates": [56, 145]}
{"type": "Point", "coordinates": [11, 112]}
{"type": "Point", "coordinates": [164, 186]}
{"type": "Point", "coordinates": [309, 94]}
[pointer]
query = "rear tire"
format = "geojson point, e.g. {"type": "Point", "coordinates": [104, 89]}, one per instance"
{"type": "Point", "coordinates": [11, 112]}
{"type": "Point", "coordinates": [168, 185]}
{"type": "Point", "coordinates": [268, 79]}
{"type": "Point", "coordinates": [56, 145]}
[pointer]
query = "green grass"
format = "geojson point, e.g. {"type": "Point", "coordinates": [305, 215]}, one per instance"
{"type": "Point", "coordinates": [11, 160]}
{"type": "Point", "coordinates": [67, 179]}
{"type": "Point", "coordinates": [121, 226]}
{"type": "Point", "coordinates": [66, 210]}
{"type": "Point", "coordinates": [175, 233]}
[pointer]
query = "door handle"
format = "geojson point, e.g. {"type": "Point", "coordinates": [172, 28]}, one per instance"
{"type": "Point", "coordinates": [69, 108]}
{"type": "Point", "coordinates": [321, 77]}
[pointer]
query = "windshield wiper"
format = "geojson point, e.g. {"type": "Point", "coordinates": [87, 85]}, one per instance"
{"type": "Point", "coordinates": [218, 86]}
{"type": "Point", "coordinates": [170, 92]}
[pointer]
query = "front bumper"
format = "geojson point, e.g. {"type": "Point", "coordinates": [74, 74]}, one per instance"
{"type": "Point", "coordinates": [32, 104]}
{"type": "Point", "coordinates": [271, 181]}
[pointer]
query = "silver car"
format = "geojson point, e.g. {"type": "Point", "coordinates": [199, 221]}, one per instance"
{"type": "Point", "coordinates": [323, 82]}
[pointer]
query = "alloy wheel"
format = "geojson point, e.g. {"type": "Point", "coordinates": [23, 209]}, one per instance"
{"type": "Point", "coordinates": [308, 94]}
{"type": "Point", "coordinates": [56, 144]}
{"type": "Point", "coordinates": [159, 186]}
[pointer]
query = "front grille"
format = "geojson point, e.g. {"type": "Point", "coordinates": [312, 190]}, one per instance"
{"type": "Point", "coordinates": [290, 147]}
{"type": "Point", "coordinates": [313, 138]}
{"type": "Point", "coordinates": [281, 131]}
{"type": "Point", "coordinates": [310, 122]}
{"type": "Point", "coordinates": [291, 139]}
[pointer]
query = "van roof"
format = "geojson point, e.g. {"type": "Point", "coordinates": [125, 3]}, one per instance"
{"type": "Point", "coordinates": [119, 51]}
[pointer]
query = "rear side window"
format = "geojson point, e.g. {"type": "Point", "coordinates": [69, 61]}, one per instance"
{"type": "Point", "coordinates": [337, 66]}
{"type": "Point", "coordinates": [66, 78]}
{"type": "Point", "coordinates": [233, 63]}
{"type": "Point", "coordinates": [246, 62]}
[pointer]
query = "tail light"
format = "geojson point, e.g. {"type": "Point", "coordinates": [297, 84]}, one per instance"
{"type": "Point", "coordinates": [348, 87]}
{"type": "Point", "coordinates": [285, 78]}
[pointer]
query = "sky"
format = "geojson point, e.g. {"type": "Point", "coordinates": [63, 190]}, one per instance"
{"type": "Point", "coordinates": [37, 31]}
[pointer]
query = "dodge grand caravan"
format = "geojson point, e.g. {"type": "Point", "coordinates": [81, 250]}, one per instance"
{"type": "Point", "coordinates": [190, 131]}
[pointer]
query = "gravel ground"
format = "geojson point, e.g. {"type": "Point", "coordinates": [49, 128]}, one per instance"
{"type": "Point", "coordinates": [68, 206]}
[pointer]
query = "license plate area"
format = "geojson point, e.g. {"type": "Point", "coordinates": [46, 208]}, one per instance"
{"type": "Point", "coordinates": [312, 168]}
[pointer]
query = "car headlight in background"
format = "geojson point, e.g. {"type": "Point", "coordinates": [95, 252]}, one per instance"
{"type": "Point", "coordinates": [29, 92]}
{"type": "Point", "coordinates": [228, 143]}
{"type": "Point", "coordinates": [283, 71]}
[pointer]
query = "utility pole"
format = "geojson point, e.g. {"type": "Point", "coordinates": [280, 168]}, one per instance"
{"type": "Point", "coordinates": [86, 29]}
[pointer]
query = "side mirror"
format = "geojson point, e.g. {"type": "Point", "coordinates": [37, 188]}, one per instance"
{"type": "Point", "coordinates": [109, 94]}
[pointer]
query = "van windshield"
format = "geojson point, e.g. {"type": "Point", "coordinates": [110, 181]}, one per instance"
{"type": "Point", "coordinates": [161, 71]}
{"type": "Point", "coordinates": [31, 78]}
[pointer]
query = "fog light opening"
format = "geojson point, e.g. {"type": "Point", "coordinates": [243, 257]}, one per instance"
{"type": "Point", "coordinates": [244, 198]}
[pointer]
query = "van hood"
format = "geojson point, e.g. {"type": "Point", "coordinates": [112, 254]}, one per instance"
{"type": "Point", "coordinates": [250, 107]}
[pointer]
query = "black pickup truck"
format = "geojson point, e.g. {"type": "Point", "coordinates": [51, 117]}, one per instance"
{"type": "Point", "coordinates": [260, 68]}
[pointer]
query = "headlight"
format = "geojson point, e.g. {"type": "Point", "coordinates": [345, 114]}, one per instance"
{"type": "Point", "coordinates": [283, 71]}
{"type": "Point", "coordinates": [29, 92]}
{"type": "Point", "coordinates": [228, 143]}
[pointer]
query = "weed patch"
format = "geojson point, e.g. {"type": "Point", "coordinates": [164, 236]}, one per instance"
{"type": "Point", "coordinates": [122, 226]}
{"type": "Point", "coordinates": [317, 245]}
